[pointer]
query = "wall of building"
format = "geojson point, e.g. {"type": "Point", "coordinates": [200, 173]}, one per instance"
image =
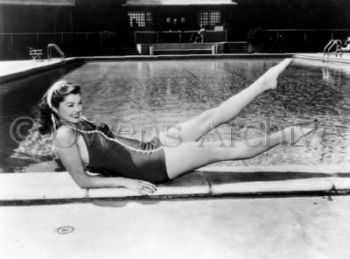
{"type": "Point", "coordinates": [297, 14]}
{"type": "Point", "coordinates": [311, 17]}
{"type": "Point", "coordinates": [102, 26]}
{"type": "Point", "coordinates": [109, 16]}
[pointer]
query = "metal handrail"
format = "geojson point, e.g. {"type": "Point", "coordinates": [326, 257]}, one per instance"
{"type": "Point", "coordinates": [327, 49]}
{"type": "Point", "coordinates": [49, 51]}
{"type": "Point", "coordinates": [330, 45]}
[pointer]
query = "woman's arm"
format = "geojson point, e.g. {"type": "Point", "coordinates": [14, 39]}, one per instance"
{"type": "Point", "coordinates": [68, 151]}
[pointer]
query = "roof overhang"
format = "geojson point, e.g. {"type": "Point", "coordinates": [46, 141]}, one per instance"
{"type": "Point", "coordinates": [179, 2]}
{"type": "Point", "coordinates": [39, 2]}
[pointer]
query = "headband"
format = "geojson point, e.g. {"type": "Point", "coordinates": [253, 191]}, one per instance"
{"type": "Point", "coordinates": [50, 92]}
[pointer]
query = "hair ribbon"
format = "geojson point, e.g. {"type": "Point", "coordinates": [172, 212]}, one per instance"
{"type": "Point", "coordinates": [50, 92]}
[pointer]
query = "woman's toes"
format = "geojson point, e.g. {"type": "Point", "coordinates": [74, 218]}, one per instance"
{"type": "Point", "coordinates": [269, 79]}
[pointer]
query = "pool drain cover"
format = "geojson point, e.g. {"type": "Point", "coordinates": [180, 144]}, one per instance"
{"type": "Point", "coordinates": [65, 230]}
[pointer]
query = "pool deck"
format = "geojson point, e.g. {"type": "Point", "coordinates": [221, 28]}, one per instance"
{"type": "Point", "coordinates": [209, 181]}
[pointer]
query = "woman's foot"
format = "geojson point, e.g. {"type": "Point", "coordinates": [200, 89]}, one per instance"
{"type": "Point", "coordinates": [269, 79]}
{"type": "Point", "coordinates": [292, 134]}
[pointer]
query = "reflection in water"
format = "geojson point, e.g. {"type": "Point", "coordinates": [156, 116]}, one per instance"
{"type": "Point", "coordinates": [326, 75]}
{"type": "Point", "coordinates": [120, 203]}
{"type": "Point", "coordinates": [162, 93]}
{"type": "Point", "coordinates": [110, 203]}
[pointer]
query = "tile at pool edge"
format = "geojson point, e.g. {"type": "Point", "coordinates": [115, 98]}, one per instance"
{"type": "Point", "coordinates": [341, 183]}
{"type": "Point", "coordinates": [282, 186]}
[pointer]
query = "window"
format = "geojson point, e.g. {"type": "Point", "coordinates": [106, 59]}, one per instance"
{"type": "Point", "coordinates": [211, 18]}
{"type": "Point", "coordinates": [142, 18]}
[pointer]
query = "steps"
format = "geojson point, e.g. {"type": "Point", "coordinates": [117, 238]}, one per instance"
{"type": "Point", "coordinates": [236, 47]}
{"type": "Point", "coordinates": [192, 48]}
{"type": "Point", "coordinates": [180, 48]}
{"type": "Point", "coordinates": [182, 51]}
{"type": "Point", "coordinates": [132, 51]}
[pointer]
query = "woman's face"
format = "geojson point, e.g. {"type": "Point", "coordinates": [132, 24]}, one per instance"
{"type": "Point", "coordinates": [69, 111]}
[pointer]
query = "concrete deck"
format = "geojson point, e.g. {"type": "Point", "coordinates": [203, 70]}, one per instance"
{"type": "Point", "coordinates": [239, 228]}
{"type": "Point", "coordinates": [10, 70]}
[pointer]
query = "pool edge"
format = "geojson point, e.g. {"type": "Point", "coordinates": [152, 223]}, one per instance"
{"type": "Point", "coordinates": [51, 188]}
{"type": "Point", "coordinates": [59, 63]}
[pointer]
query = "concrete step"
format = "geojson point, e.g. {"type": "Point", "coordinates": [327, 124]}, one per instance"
{"type": "Point", "coordinates": [236, 47]}
{"type": "Point", "coordinates": [181, 51]}
{"type": "Point", "coordinates": [184, 46]}
{"type": "Point", "coordinates": [130, 51]}
{"type": "Point", "coordinates": [179, 48]}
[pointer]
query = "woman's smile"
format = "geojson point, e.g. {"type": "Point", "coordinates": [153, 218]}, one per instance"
{"type": "Point", "coordinates": [70, 109]}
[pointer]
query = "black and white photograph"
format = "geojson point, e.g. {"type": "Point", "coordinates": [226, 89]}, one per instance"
{"type": "Point", "coordinates": [177, 129]}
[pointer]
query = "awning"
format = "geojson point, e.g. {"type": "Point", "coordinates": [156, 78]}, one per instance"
{"type": "Point", "coordinates": [178, 2]}
{"type": "Point", "coordinates": [38, 2]}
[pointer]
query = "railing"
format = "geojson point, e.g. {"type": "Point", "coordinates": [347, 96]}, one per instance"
{"type": "Point", "coordinates": [330, 45]}
{"type": "Point", "coordinates": [49, 52]}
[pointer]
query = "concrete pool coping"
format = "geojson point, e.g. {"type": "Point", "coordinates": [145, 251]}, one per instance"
{"type": "Point", "coordinates": [206, 182]}
{"type": "Point", "coordinates": [11, 70]}
{"type": "Point", "coordinates": [344, 59]}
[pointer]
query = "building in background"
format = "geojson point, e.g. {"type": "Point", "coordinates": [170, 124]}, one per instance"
{"type": "Point", "coordinates": [94, 27]}
{"type": "Point", "coordinates": [178, 20]}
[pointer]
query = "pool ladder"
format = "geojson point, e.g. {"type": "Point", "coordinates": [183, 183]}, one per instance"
{"type": "Point", "coordinates": [327, 49]}
{"type": "Point", "coordinates": [51, 46]}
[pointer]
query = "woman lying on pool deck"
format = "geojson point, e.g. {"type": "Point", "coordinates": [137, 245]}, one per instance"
{"type": "Point", "coordinates": [85, 147]}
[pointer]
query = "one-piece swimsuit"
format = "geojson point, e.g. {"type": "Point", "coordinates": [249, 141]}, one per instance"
{"type": "Point", "coordinates": [117, 156]}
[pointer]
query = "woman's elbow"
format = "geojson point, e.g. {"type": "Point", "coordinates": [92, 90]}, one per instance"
{"type": "Point", "coordinates": [84, 182]}
{"type": "Point", "coordinates": [84, 185]}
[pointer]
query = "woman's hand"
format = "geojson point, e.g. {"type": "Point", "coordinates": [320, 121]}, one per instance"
{"type": "Point", "coordinates": [139, 186]}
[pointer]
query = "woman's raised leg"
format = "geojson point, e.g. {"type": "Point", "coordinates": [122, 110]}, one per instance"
{"type": "Point", "coordinates": [191, 155]}
{"type": "Point", "coordinates": [196, 127]}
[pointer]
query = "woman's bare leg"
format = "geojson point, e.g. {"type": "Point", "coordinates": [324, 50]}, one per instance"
{"type": "Point", "coordinates": [191, 155]}
{"type": "Point", "coordinates": [196, 127]}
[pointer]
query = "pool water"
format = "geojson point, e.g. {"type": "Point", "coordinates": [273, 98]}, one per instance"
{"type": "Point", "coordinates": [147, 96]}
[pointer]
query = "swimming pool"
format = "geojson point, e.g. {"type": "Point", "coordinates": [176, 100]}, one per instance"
{"type": "Point", "coordinates": [145, 96]}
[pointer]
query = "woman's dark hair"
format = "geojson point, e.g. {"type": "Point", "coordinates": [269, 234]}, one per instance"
{"type": "Point", "coordinates": [44, 112]}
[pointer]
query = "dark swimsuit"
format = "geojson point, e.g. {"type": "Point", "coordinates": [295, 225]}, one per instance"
{"type": "Point", "coordinates": [111, 156]}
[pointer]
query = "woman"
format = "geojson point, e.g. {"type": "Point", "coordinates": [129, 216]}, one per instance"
{"type": "Point", "coordinates": [83, 146]}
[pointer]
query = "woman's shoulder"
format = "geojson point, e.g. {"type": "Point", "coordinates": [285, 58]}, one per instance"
{"type": "Point", "coordinates": [65, 136]}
